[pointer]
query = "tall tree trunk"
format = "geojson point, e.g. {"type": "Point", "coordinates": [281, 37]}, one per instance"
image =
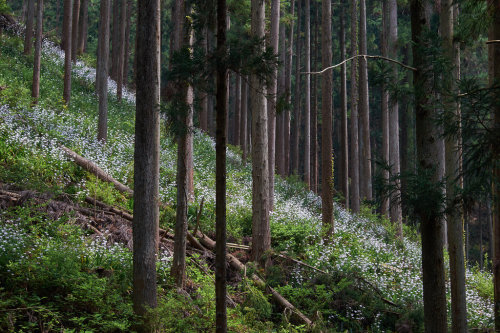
{"type": "Point", "coordinates": [244, 117]}
{"type": "Point", "coordinates": [394, 160]}
{"type": "Point", "coordinates": [314, 105]}
{"type": "Point", "coordinates": [344, 147]}
{"type": "Point", "coordinates": [83, 26]}
{"type": "Point", "coordinates": [354, 166]}
{"type": "Point", "coordinates": [67, 50]}
{"type": "Point", "coordinates": [220, 150]}
{"type": "Point", "coordinates": [455, 216]}
{"type": "Point", "coordinates": [496, 169]}
{"type": "Point", "coordinates": [364, 110]}
{"type": "Point", "coordinates": [74, 30]}
{"type": "Point", "coordinates": [307, 100]}
{"type": "Point", "coordinates": [280, 118]}
{"type": "Point", "coordinates": [261, 235]}
{"type": "Point", "coordinates": [271, 101]}
{"type": "Point", "coordinates": [203, 96]}
{"type": "Point", "coordinates": [35, 91]}
{"type": "Point", "coordinates": [121, 54]}
{"type": "Point", "coordinates": [326, 116]}
{"type": "Point", "coordinates": [102, 73]}
{"type": "Point", "coordinates": [28, 34]}
{"type": "Point", "coordinates": [127, 44]}
{"type": "Point", "coordinates": [146, 158]}
{"type": "Point", "coordinates": [384, 209]}
{"type": "Point", "coordinates": [237, 109]}
{"type": "Point", "coordinates": [296, 109]}
{"type": "Point", "coordinates": [288, 89]}
{"type": "Point", "coordinates": [435, 318]}
{"type": "Point", "coordinates": [115, 39]}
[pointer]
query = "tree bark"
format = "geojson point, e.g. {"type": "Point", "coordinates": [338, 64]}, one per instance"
{"type": "Point", "coordinates": [146, 158]}
{"type": "Point", "coordinates": [384, 208]}
{"type": "Point", "coordinates": [326, 115]}
{"type": "Point", "coordinates": [102, 73]}
{"type": "Point", "coordinates": [314, 104]}
{"type": "Point", "coordinates": [121, 54]}
{"type": "Point", "coordinates": [288, 89]}
{"type": "Point", "coordinates": [261, 235]}
{"type": "Point", "coordinates": [307, 100]}
{"type": "Point", "coordinates": [127, 44]}
{"type": "Point", "coordinates": [364, 110]}
{"type": "Point", "coordinates": [354, 166]}
{"type": "Point", "coordinates": [35, 91]}
{"type": "Point", "coordinates": [435, 318]}
{"type": "Point", "coordinates": [83, 26]}
{"type": "Point", "coordinates": [74, 29]}
{"type": "Point", "coordinates": [67, 49]}
{"type": "Point", "coordinates": [296, 109]}
{"type": "Point", "coordinates": [115, 39]}
{"type": "Point", "coordinates": [28, 34]}
{"type": "Point", "coordinates": [244, 117]}
{"type": "Point", "coordinates": [220, 150]}
{"type": "Point", "coordinates": [271, 100]}
{"type": "Point", "coordinates": [344, 163]}
{"type": "Point", "coordinates": [280, 118]}
{"type": "Point", "coordinates": [237, 109]}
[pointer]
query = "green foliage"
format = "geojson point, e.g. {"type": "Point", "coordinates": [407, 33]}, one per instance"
{"type": "Point", "coordinates": [4, 7]}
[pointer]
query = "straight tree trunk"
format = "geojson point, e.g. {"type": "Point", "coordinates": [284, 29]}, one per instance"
{"type": "Point", "coordinates": [307, 101]}
{"type": "Point", "coordinates": [354, 166]}
{"type": "Point", "coordinates": [344, 147]}
{"type": "Point", "coordinates": [496, 169]}
{"type": "Point", "coordinates": [244, 117]}
{"type": "Point", "coordinates": [202, 94]}
{"type": "Point", "coordinates": [280, 118]}
{"type": "Point", "coordinates": [271, 100]}
{"type": "Point", "coordinates": [28, 34]}
{"type": "Point", "coordinates": [455, 216]}
{"type": "Point", "coordinates": [102, 73]}
{"type": "Point", "coordinates": [435, 318]}
{"type": "Point", "coordinates": [35, 91]}
{"type": "Point", "coordinates": [326, 115]}
{"type": "Point", "coordinates": [83, 26]}
{"type": "Point", "coordinates": [364, 110]}
{"type": "Point", "coordinates": [314, 105]}
{"type": "Point", "coordinates": [288, 88]}
{"type": "Point", "coordinates": [67, 50]}
{"type": "Point", "coordinates": [121, 54]}
{"type": "Point", "coordinates": [296, 109]}
{"type": "Point", "coordinates": [115, 39]}
{"type": "Point", "coordinates": [237, 109]}
{"type": "Point", "coordinates": [127, 44]}
{"type": "Point", "coordinates": [146, 159]}
{"type": "Point", "coordinates": [74, 29]}
{"type": "Point", "coordinates": [384, 209]}
{"type": "Point", "coordinates": [220, 148]}
{"type": "Point", "coordinates": [261, 234]}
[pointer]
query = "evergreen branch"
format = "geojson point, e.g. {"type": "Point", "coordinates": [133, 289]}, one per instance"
{"type": "Point", "coordinates": [366, 57]}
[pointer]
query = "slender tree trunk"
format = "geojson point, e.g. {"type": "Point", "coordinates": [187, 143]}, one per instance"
{"type": "Point", "coordinates": [314, 106]}
{"type": "Point", "coordinates": [364, 110]}
{"type": "Point", "coordinates": [202, 94]}
{"type": "Point", "coordinates": [396, 212]}
{"type": "Point", "coordinates": [354, 166]}
{"type": "Point", "coordinates": [67, 50]}
{"type": "Point", "coordinates": [237, 110]}
{"type": "Point", "coordinates": [288, 89]}
{"type": "Point", "coordinates": [220, 147]}
{"type": "Point", "coordinates": [35, 91]}
{"type": "Point", "coordinates": [102, 73]}
{"type": "Point", "coordinates": [115, 39]}
{"type": "Point", "coordinates": [326, 115]}
{"type": "Point", "coordinates": [127, 44]}
{"type": "Point", "coordinates": [121, 50]}
{"type": "Point", "coordinates": [261, 235]}
{"type": "Point", "coordinates": [455, 216]}
{"type": "Point", "coordinates": [435, 318]}
{"type": "Point", "coordinates": [146, 158]}
{"type": "Point", "coordinates": [307, 101]}
{"type": "Point", "coordinates": [83, 26]}
{"type": "Point", "coordinates": [280, 118]}
{"type": "Point", "coordinates": [74, 29]}
{"type": "Point", "coordinates": [28, 34]}
{"type": "Point", "coordinates": [496, 169]}
{"type": "Point", "coordinates": [271, 101]}
{"type": "Point", "coordinates": [296, 113]}
{"type": "Point", "coordinates": [384, 209]}
{"type": "Point", "coordinates": [244, 117]}
{"type": "Point", "coordinates": [344, 147]}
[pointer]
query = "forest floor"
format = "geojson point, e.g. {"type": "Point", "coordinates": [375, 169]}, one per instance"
{"type": "Point", "coordinates": [65, 263]}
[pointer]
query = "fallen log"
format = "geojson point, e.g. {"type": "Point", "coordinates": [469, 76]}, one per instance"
{"type": "Point", "coordinates": [238, 265]}
{"type": "Point", "coordinates": [96, 170]}
{"type": "Point", "coordinates": [122, 213]}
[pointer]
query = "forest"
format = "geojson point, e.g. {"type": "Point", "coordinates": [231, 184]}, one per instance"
{"type": "Point", "coordinates": [249, 166]}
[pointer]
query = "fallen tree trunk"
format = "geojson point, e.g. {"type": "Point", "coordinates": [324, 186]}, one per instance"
{"type": "Point", "coordinates": [96, 170]}
{"type": "Point", "coordinates": [238, 265]}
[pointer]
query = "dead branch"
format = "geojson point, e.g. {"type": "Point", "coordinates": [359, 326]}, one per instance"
{"type": "Point", "coordinates": [366, 56]}
{"type": "Point", "coordinates": [126, 215]}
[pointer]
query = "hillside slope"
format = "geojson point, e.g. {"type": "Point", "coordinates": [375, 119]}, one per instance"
{"type": "Point", "coordinates": [363, 279]}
